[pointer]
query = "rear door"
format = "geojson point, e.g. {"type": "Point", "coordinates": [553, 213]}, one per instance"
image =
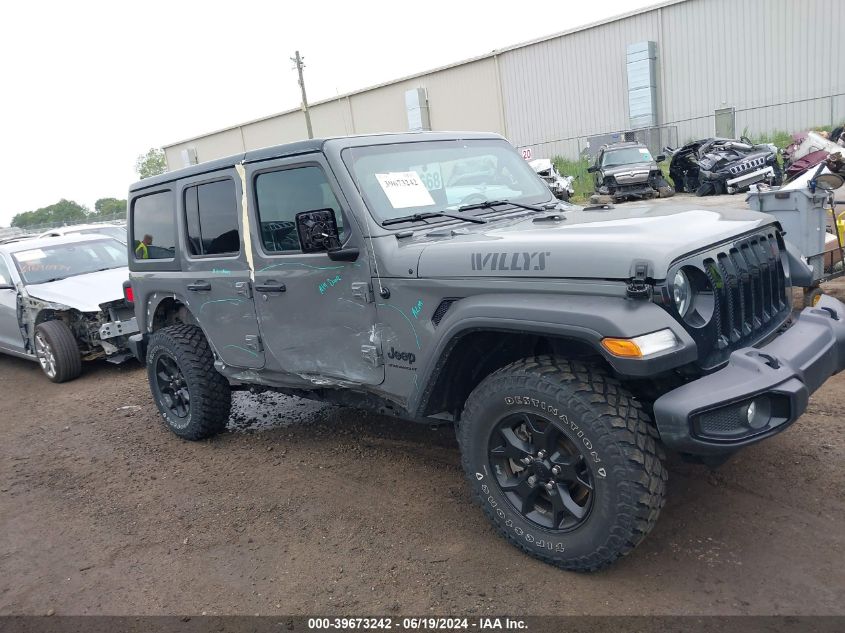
{"type": "Point", "coordinates": [10, 332]}
{"type": "Point", "coordinates": [317, 315]}
{"type": "Point", "coordinates": [216, 273]}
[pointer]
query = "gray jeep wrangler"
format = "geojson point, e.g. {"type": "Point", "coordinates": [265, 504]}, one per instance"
{"type": "Point", "coordinates": [433, 277]}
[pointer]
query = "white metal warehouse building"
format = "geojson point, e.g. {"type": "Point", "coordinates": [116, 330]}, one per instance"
{"type": "Point", "coordinates": [679, 70]}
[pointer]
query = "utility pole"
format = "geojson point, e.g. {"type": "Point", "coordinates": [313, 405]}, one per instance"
{"type": "Point", "coordinates": [299, 66]}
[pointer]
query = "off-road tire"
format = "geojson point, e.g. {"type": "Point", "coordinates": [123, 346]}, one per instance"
{"type": "Point", "coordinates": [62, 343]}
{"type": "Point", "coordinates": [618, 440]}
{"type": "Point", "coordinates": [210, 394]}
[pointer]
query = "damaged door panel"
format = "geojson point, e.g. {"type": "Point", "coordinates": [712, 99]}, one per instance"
{"type": "Point", "coordinates": [308, 303]}
{"type": "Point", "coordinates": [216, 273]}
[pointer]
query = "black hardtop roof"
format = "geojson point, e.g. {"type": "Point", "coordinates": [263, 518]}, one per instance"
{"type": "Point", "coordinates": [303, 147]}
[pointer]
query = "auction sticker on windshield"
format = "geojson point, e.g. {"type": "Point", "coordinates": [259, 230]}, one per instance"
{"type": "Point", "coordinates": [430, 175]}
{"type": "Point", "coordinates": [404, 189]}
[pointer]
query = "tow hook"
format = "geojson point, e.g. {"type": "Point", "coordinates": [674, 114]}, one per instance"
{"type": "Point", "coordinates": [638, 288]}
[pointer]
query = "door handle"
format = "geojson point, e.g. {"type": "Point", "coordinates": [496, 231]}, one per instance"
{"type": "Point", "coordinates": [200, 286]}
{"type": "Point", "coordinates": [270, 286]}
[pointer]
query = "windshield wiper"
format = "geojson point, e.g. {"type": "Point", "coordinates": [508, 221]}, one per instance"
{"type": "Point", "coordinates": [418, 217]}
{"type": "Point", "coordinates": [489, 204]}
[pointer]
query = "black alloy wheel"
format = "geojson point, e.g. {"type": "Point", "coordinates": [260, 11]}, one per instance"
{"type": "Point", "coordinates": [542, 473]}
{"type": "Point", "coordinates": [172, 386]}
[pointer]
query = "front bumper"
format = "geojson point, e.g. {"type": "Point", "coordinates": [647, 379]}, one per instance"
{"type": "Point", "coordinates": [710, 416]}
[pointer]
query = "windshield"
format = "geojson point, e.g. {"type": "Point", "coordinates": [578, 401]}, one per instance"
{"type": "Point", "coordinates": [439, 176]}
{"type": "Point", "coordinates": [116, 232]}
{"type": "Point", "coordinates": [51, 263]}
{"type": "Point", "coordinates": [626, 156]}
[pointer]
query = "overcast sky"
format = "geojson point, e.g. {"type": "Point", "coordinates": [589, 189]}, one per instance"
{"type": "Point", "coordinates": [87, 86]}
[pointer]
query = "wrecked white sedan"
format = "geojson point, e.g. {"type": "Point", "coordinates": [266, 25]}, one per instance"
{"type": "Point", "coordinates": [61, 302]}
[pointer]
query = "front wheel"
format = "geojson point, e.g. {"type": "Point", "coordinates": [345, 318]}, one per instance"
{"type": "Point", "coordinates": [563, 460]}
{"type": "Point", "coordinates": [57, 351]}
{"type": "Point", "coordinates": [192, 397]}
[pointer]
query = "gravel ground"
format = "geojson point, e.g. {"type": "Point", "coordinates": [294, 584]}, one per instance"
{"type": "Point", "coordinates": [305, 508]}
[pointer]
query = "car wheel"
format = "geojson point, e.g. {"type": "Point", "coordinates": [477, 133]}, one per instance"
{"type": "Point", "coordinates": [563, 460]}
{"type": "Point", "coordinates": [57, 351]}
{"type": "Point", "coordinates": [192, 397]}
{"type": "Point", "coordinates": [812, 296]}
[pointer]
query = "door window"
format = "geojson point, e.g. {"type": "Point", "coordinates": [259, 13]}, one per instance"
{"type": "Point", "coordinates": [211, 217]}
{"type": "Point", "coordinates": [281, 195]}
{"type": "Point", "coordinates": [154, 226]}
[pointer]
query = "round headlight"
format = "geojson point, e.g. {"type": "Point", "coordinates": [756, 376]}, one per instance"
{"type": "Point", "coordinates": [682, 292]}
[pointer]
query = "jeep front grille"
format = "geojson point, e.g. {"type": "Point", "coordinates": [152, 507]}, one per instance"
{"type": "Point", "coordinates": [751, 295]}
{"type": "Point", "coordinates": [747, 165]}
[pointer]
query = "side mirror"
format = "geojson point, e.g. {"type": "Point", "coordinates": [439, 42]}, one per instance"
{"type": "Point", "coordinates": [660, 158]}
{"type": "Point", "coordinates": [318, 234]}
{"type": "Point", "coordinates": [591, 169]}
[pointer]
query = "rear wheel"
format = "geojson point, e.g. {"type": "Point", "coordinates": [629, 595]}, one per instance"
{"type": "Point", "coordinates": [563, 460]}
{"type": "Point", "coordinates": [192, 397]}
{"type": "Point", "coordinates": [57, 351]}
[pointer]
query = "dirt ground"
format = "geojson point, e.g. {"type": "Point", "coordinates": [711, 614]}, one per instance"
{"type": "Point", "coordinates": [304, 508]}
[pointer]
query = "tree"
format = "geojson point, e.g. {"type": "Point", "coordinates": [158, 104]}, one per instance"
{"type": "Point", "coordinates": [109, 207]}
{"type": "Point", "coordinates": [151, 164]}
{"type": "Point", "coordinates": [62, 212]}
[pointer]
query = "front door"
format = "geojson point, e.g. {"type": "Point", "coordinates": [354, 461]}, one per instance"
{"type": "Point", "coordinates": [216, 272]}
{"type": "Point", "coordinates": [317, 316]}
{"type": "Point", "coordinates": [10, 331]}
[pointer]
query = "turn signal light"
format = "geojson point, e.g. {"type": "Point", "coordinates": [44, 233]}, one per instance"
{"type": "Point", "coordinates": [641, 346]}
{"type": "Point", "coordinates": [128, 293]}
{"type": "Point", "coordinates": [622, 347]}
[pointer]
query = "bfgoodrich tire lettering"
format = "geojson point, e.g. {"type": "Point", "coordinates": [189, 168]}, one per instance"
{"type": "Point", "coordinates": [617, 442]}
{"type": "Point", "coordinates": [192, 397]}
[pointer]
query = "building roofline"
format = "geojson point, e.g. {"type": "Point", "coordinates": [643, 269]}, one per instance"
{"type": "Point", "coordinates": [463, 62]}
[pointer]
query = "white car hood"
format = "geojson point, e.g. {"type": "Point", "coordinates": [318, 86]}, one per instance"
{"type": "Point", "coordinates": [83, 292]}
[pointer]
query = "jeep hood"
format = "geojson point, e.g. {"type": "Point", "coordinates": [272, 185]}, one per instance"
{"type": "Point", "coordinates": [83, 292]}
{"type": "Point", "coordinates": [597, 244]}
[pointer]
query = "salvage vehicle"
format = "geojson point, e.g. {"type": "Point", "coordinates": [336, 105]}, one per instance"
{"type": "Point", "coordinates": [715, 166]}
{"type": "Point", "coordinates": [625, 171]}
{"type": "Point", "coordinates": [61, 302]}
{"type": "Point", "coordinates": [570, 347]}
{"type": "Point", "coordinates": [560, 186]}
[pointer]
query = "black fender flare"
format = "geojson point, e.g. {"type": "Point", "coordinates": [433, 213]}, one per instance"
{"type": "Point", "coordinates": [586, 318]}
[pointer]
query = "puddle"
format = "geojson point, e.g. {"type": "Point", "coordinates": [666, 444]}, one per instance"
{"type": "Point", "coordinates": [260, 412]}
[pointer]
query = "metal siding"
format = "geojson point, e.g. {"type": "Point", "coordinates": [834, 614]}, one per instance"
{"type": "Point", "coordinates": [571, 86]}
{"type": "Point", "coordinates": [275, 131]}
{"type": "Point", "coordinates": [460, 98]}
{"type": "Point", "coordinates": [775, 61]}
{"type": "Point", "coordinates": [225, 143]}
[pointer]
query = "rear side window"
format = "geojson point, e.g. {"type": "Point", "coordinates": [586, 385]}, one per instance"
{"type": "Point", "coordinates": [283, 194]}
{"type": "Point", "coordinates": [211, 216]}
{"type": "Point", "coordinates": [154, 226]}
